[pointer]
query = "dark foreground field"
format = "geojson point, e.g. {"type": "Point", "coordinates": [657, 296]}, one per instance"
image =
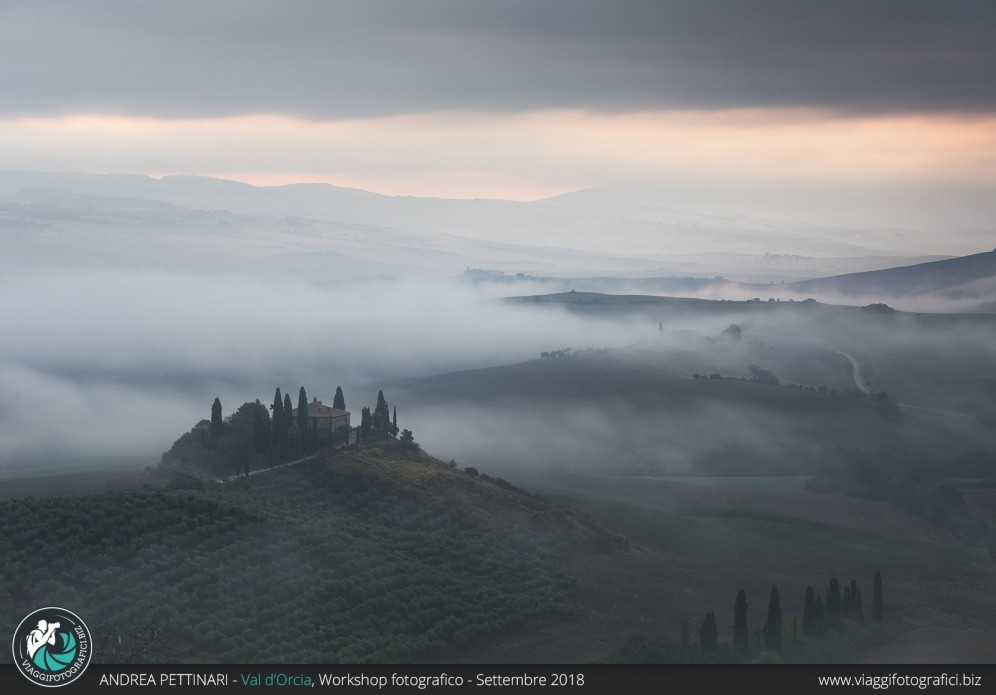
{"type": "Point", "coordinates": [388, 555]}
{"type": "Point", "coordinates": [379, 555]}
{"type": "Point", "coordinates": [696, 546]}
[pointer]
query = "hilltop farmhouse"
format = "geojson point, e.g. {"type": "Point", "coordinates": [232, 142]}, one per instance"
{"type": "Point", "coordinates": [325, 417]}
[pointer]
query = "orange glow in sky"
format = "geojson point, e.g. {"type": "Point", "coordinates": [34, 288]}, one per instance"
{"type": "Point", "coordinates": [519, 156]}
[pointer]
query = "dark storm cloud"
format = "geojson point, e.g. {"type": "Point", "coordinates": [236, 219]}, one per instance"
{"type": "Point", "coordinates": [335, 59]}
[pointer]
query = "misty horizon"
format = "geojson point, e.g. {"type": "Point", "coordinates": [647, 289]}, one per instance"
{"type": "Point", "coordinates": [171, 292]}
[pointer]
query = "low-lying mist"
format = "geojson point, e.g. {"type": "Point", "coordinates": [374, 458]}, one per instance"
{"type": "Point", "coordinates": [121, 355]}
{"type": "Point", "coordinates": [117, 361]}
{"type": "Point", "coordinates": [778, 395]}
{"type": "Point", "coordinates": [614, 437]}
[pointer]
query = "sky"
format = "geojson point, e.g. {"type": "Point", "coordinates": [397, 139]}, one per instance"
{"type": "Point", "coordinates": [505, 98]}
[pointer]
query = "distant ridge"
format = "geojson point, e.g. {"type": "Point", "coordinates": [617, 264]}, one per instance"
{"type": "Point", "coordinates": [955, 278]}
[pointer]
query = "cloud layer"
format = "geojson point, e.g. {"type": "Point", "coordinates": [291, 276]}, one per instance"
{"type": "Point", "coordinates": [387, 57]}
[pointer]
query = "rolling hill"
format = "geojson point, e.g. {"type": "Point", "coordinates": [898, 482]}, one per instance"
{"type": "Point", "coordinates": [632, 413]}
{"type": "Point", "coordinates": [542, 238]}
{"type": "Point", "coordinates": [378, 555]}
{"type": "Point", "coordinates": [971, 278]}
{"type": "Point", "coordinates": [965, 283]}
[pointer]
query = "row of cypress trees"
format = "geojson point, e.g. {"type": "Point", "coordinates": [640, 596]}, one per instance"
{"type": "Point", "coordinates": [820, 614]}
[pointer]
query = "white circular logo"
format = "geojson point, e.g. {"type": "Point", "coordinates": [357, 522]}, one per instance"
{"type": "Point", "coordinates": [52, 647]}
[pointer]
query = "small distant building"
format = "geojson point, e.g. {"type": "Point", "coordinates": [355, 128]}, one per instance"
{"type": "Point", "coordinates": [327, 418]}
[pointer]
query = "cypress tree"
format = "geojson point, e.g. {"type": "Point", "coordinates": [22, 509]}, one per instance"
{"type": "Point", "coordinates": [878, 608]}
{"type": "Point", "coordinates": [845, 604]}
{"type": "Point", "coordinates": [365, 423]}
{"type": "Point", "coordinates": [302, 421]}
{"type": "Point", "coordinates": [338, 401]}
{"type": "Point", "coordinates": [740, 634]}
{"type": "Point", "coordinates": [394, 424]}
{"type": "Point", "coordinates": [268, 425]}
{"type": "Point", "coordinates": [809, 613]}
{"type": "Point", "coordinates": [260, 437]}
{"type": "Point", "coordinates": [217, 423]}
{"type": "Point", "coordinates": [857, 605]}
{"type": "Point", "coordinates": [795, 627]}
{"type": "Point", "coordinates": [286, 418]}
{"type": "Point", "coordinates": [773, 625]}
{"type": "Point", "coordinates": [833, 604]}
{"type": "Point", "coordinates": [382, 414]}
{"type": "Point", "coordinates": [708, 633]}
{"type": "Point", "coordinates": [278, 412]}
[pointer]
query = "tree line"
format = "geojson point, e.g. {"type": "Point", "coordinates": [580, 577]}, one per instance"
{"type": "Point", "coordinates": [821, 615]}
{"type": "Point", "coordinates": [826, 618]}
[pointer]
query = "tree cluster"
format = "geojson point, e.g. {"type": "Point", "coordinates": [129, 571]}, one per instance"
{"type": "Point", "coordinates": [822, 615]}
{"type": "Point", "coordinates": [253, 436]}
{"type": "Point", "coordinates": [378, 423]}
{"type": "Point", "coordinates": [734, 331]}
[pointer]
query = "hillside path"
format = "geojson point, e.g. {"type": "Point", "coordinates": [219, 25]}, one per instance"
{"type": "Point", "coordinates": [864, 389]}
{"type": "Point", "coordinates": [282, 465]}
{"type": "Point", "coordinates": [856, 369]}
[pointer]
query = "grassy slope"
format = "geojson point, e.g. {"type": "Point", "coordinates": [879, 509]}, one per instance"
{"type": "Point", "coordinates": [697, 546]}
{"type": "Point", "coordinates": [371, 556]}
{"type": "Point", "coordinates": [406, 559]}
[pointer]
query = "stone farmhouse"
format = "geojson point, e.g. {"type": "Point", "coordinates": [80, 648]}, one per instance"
{"type": "Point", "coordinates": [327, 418]}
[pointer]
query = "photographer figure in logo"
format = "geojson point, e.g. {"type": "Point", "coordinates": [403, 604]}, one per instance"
{"type": "Point", "coordinates": [43, 634]}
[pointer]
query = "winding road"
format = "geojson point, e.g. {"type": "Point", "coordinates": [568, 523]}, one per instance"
{"type": "Point", "coordinates": [856, 370]}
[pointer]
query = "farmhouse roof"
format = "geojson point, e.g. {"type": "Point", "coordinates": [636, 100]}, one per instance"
{"type": "Point", "coordinates": [320, 410]}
